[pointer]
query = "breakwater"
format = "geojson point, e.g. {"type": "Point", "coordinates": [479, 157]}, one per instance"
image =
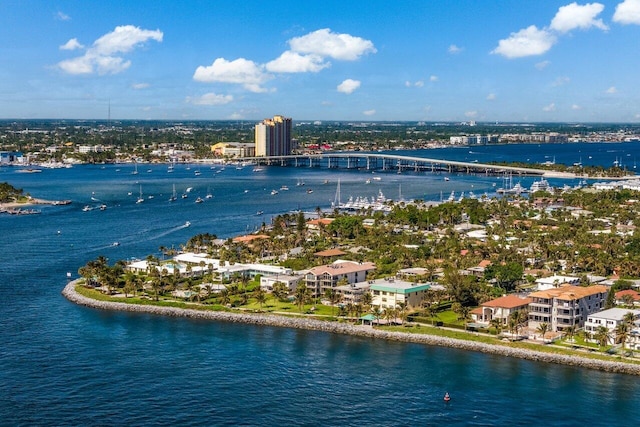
{"type": "Point", "coordinates": [348, 329]}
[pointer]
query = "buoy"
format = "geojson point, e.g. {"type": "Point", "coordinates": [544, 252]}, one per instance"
{"type": "Point", "coordinates": [447, 397]}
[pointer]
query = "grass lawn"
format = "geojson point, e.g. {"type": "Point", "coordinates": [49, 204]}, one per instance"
{"type": "Point", "coordinates": [487, 339]}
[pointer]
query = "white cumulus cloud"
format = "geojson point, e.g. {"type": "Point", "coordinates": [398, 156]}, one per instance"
{"type": "Point", "coordinates": [325, 43]}
{"type": "Point", "coordinates": [526, 42]}
{"type": "Point", "coordinates": [210, 99]}
{"type": "Point", "coordinates": [574, 16]}
{"type": "Point", "coordinates": [471, 114]}
{"type": "Point", "coordinates": [293, 62]}
{"type": "Point", "coordinates": [369, 112]}
{"type": "Point", "coordinates": [419, 83]}
{"type": "Point", "coordinates": [240, 71]}
{"type": "Point", "coordinates": [348, 86]}
{"type": "Point", "coordinates": [612, 89]}
{"type": "Point", "coordinates": [433, 78]}
{"type": "Point", "coordinates": [453, 49]}
{"type": "Point", "coordinates": [491, 97]}
{"type": "Point", "coordinates": [550, 107]}
{"type": "Point", "coordinates": [627, 12]}
{"type": "Point", "coordinates": [105, 55]}
{"type": "Point", "coordinates": [72, 44]}
{"type": "Point", "coordinates": [138, 86]}
{"type": "Point", "coordinates": [576, 107]}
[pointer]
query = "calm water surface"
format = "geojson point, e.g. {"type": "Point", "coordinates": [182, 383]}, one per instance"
{"type": "Point", "coordinates": [61, 364]}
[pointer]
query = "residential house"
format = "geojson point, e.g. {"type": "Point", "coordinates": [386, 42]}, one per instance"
{"type": "Point", "coordinates": [291, 281]}
{"type": "Point", "coordinates": [610, 319]}
{"type": "Point", "coordinates": [556, 281]}
{"type": "Point", "coordinates": [500, 308]}
{"type": "Point", "coordinates": [565, 306]}
{"type": "Point", "coordinates": [627, 296]}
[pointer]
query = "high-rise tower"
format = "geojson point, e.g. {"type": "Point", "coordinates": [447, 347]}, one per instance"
{"type": "Point", "coordinates": [273, 137]}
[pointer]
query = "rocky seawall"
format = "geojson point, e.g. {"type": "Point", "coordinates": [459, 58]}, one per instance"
{"type": "Point", "coordinates": [347, 329]}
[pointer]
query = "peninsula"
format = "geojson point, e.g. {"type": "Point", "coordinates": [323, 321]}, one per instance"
{"type": "Point", "coordinates": [519, 276]}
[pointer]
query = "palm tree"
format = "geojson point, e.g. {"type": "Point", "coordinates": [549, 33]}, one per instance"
{"type": "Point", "coordinates": [622, 332]}
{"type": "Point", "coordinates": [569, 332]}
{"type": "Point", "coordinates": [302, 296]}
{"type": "Point", "coordinates": [260, 295]}
{"type": "Point", "coordinates": [543, 328]}
{"type": "Point", "coordinates": [225, 298]}
{"type": "Point", "coordinates": [601, 336]}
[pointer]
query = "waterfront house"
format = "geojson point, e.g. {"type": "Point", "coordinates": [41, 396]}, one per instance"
{"type": "Point", "coordinates": [565, 306]}
{"type": "Point", "coordinates": [627, 297]}
{"type": "Point", "coordinates": [555, 281]}
{"type": "Point", "coordinates": [391, 292]}
{"type": "Point", "coordinates": [290, 281]}
{"type": "Point", "coordinates": [610, 319]}
{"type": "Point", "coordinates": [323, 277]}
{"type": "Point", "coordinates": [500, 308]}
{"type": "Point", "coordinates": [353, 292]}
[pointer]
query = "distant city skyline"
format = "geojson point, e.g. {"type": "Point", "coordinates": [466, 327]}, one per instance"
{"type": "Point", "coordinates": [517, 61]}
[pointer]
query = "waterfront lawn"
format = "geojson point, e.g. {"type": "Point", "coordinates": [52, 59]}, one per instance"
{"type": "Point", "coordinates": [488, 339]}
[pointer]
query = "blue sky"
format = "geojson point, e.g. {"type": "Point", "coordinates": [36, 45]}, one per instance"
{"type": "Point", "coordinates": [489, 60]}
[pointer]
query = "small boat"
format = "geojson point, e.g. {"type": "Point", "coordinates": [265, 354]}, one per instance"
{"type": "Point", "coordinates": [184, 195]}
{"type": "Point", "coordinates": [87, 208]}
{"type": "Point", "coordinates": [188, 190]}
{"type": "Point", "coordinates": [199, 200]}
{"type": "Point", "coordinates": [309, 191]}
{"type": "Point", "coordinates": [258, 169]}
{"type": "Point", "coordinates": [187, 224]}
{"type": "Point", "coordinates": [447, 398]}
{"type": "Point", "coordinates": [446, 178]}
{"type": "Point", "coordinates": [246, 191]}
{"type": "Point", "coordinates": [377, 178]}
{"type": "Point", "coordinates": [140, 198]}
{"type": "Point", "coordinates": [115, 244]}
{"type": "Point", "coordinates": [368, 181]}
{"type": "Point", "coordinates": [173, 197]}
{"type": "Point", "coordinates": [103, 207]}
{"type": "Point", "coordinates": [274, 192]}
{"type": "Point", "coordinates": [284, 188]}
{"type": "Point", "coordinates": [259, 212]}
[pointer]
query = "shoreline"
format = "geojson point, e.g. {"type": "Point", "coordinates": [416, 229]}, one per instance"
{"type": "Point", "coordinates": [70, 293]}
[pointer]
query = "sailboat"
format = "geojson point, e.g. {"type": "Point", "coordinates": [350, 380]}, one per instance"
{"type": "Point", "coordinates": [209, 195]}
{"type": "Point", "coordinates": [140, 198]}
{"type": "Point", "coordinates": [135, 169]}
{"type": "Point", "coordinates": [173, 197]}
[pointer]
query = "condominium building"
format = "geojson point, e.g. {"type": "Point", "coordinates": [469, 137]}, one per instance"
{"type": "Point", "coordinates": [273, 137]}
{"type": "Point", "coordinates": [324, 277]}
{"type": "Point", "coordinates": [565, 306]}
{"type": "Point", "coordinates": [391, 292]}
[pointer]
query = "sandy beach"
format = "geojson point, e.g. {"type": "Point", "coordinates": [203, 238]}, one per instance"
{"type": "Point", "coordinates": [348, 329]}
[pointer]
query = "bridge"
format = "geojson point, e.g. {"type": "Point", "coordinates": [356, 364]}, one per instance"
{"type": "Point", "coordinates": [391, 162]}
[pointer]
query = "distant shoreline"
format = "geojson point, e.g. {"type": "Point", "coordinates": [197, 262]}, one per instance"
{"type": "Point", "coordinates": [70, 293]}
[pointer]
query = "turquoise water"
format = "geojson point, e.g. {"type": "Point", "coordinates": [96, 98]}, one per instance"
{"type": "Point", "coordinates": [61, 364]}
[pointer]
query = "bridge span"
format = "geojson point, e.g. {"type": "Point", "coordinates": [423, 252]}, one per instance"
{"type": "Point", "coordinates": [392, 162]}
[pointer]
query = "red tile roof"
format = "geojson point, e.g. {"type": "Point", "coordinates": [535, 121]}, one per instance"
{"type": "Point", "coordinates": [508, 301]}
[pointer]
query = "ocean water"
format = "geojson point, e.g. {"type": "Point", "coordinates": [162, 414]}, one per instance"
{"type": "Point", "coordinates": [61, 364]}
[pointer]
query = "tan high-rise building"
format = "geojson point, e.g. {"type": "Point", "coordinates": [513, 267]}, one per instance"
{"type": "Point", "coordinates": [273, 137]}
